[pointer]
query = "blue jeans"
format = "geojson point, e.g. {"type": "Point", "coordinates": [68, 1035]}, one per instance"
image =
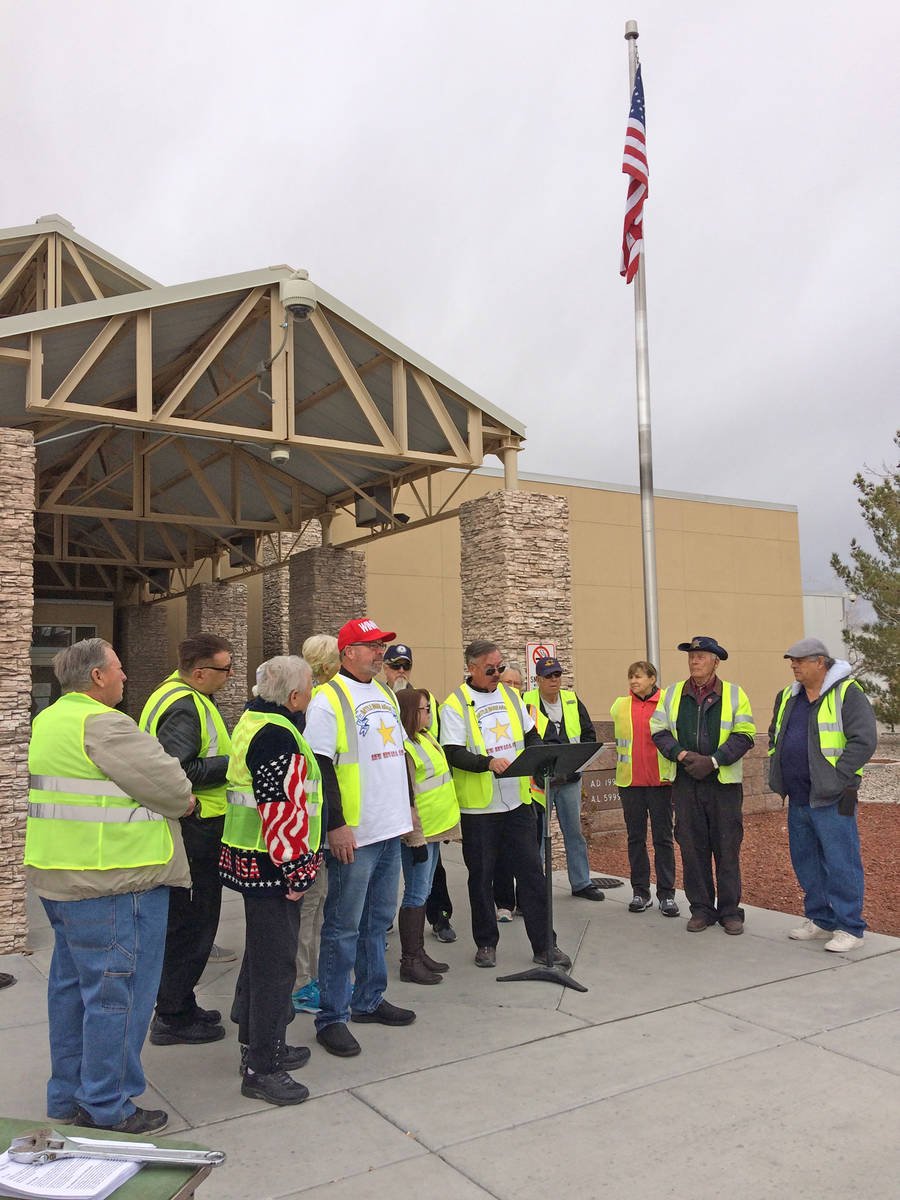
{"type": "Point", "coordinates": [567, 799]}
{"type": "Point", "coordinates": [417, 877]}
{"type": "Point", "coordinates": [107, 959]}
{"type": "Point", "coordinates": [826, 860]}
{"type": "Point", "coordinates": [359, 907]}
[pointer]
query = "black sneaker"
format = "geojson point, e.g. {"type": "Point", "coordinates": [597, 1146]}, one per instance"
{"type": "Point", "coordinates": [277, 1088]}
{"type": "Point", "coordinates": [443, 930]}
{"type": "Point", "coordinates": [195, 1034]}
{"type": "Point", "coordinates": [560, 959]}
{"type": "Point", "coordinates": [591, 892]}
{"type": "Point", "coordinates": [640, 903]}
{"type": "Point", "coordinates": [668, 907]}
{"type": "Point", "coordinates": [337, 1039]}
{"type": "Point", "coordinates": [142, 1120]}
{"type": "Point", "coordinates": [486, 956]}
{"type": "Point", "coordinates": [287, 1058]}
{"type": "Point", "coordinates": [386, 1014]}
{"type": "Point", "coordinates": [208, 1016]}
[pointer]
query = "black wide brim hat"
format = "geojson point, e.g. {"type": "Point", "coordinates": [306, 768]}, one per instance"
{"type": "Point", "coordinates": [705, 643]}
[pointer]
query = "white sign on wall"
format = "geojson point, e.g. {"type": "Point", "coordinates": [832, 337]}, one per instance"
{"type": "Point", "coordinates": [534, 652]}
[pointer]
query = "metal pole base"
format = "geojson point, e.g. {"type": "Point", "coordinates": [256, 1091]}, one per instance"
{"type": "Point", "coordinates": [544, 975]}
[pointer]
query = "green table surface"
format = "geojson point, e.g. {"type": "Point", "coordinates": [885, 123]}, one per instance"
{"type": "Point", "coordinates": [151, 1182]}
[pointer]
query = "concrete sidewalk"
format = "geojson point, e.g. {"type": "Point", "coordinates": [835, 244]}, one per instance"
{"type": "Point", "coordinates": [695, 1066]}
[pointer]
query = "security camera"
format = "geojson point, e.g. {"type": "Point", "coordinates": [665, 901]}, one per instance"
{"type": "Point", "coordinates": [280, 454]}
{"type": "Point", "coordinates": [298, 295]}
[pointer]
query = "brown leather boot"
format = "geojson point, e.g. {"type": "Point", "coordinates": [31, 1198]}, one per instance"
{"type": "Point", "coordinates": [429, 962]}
{"type": "Point", "coordinates": [411, 924]}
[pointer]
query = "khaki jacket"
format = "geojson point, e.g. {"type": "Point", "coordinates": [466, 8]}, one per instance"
{"type": "Point", "coordinates": [137, 763]}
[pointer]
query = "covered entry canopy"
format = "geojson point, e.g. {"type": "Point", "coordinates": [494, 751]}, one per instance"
{"type": "Point", "coordinates": [174, 423]}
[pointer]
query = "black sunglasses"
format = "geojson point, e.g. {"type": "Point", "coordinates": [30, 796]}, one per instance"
{"type": "Point", "coordinates": [489, 671]}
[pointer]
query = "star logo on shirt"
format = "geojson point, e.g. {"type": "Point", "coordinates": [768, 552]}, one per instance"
{"type": "Point", "coordinates": [501, 730]}
{"type": "Point", "coordinates": [387, 734]}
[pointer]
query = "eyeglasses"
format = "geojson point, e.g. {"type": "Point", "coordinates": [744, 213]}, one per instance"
{"type": "Point", "coordinates": [424, 708]}
{"type": "Point", "coordinates": [553, 675]}
{"type": "Point", "coordinates": [379, 646]}
{"type": "Point", "coordinates": [398, 665]}
{"type": "Point", "coordinates": [491, 671]}
{"type": "Point", "coordinates": [223, 669]}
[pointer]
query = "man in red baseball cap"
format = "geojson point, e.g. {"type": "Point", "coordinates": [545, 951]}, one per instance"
{"type": "Point", "coordinates": [353, 726]}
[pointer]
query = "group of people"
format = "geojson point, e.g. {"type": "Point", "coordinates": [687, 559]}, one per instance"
{"type": "Point", "coordinates": [333, 783]}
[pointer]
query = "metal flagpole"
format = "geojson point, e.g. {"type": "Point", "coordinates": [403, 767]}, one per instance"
{"type": "Point", "coordinates": [645, 451]}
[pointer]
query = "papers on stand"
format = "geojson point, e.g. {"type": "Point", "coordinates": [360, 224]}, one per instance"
{"type": "Point", "coordinates": [69, 1178]}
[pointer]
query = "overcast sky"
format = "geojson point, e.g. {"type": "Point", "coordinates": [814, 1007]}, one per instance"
{"type": "Point", "coordinates": [453, 173]}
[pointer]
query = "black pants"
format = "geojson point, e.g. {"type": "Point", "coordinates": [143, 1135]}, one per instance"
{"type": "Point", "coordinates": [482, 836]}
{"type": "Point", "coordinates": [262, 998]}
{"type": "Point", "coordinates": [193, 921]}
{"type": "Point", "coordinates": [709, 827]}
{"type": "Point", "coordinates": [637, 804]}
{"type": "Point", "coordinates": [438, 903]}
{"type": "Point", "coordinates": [506, 893]}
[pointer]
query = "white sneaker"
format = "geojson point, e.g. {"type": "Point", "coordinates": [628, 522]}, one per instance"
{"type": "Point", "coordinates": [809, 930]}
{"type": "Point", "coordinates": [843, 941]}
{"type": "Point", "coordinates": [504, 915]}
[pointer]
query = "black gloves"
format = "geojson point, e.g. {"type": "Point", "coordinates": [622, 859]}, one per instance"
{"type": "Point", "coordinates": [847, 802]}
{"type": "Point", "coordinates": [419, 854]}
{"type": "Point", "coordinates": [698, 766]}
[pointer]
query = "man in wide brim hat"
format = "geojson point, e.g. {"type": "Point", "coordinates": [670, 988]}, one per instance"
{"type": "Point", "coordinates": [704, 726]}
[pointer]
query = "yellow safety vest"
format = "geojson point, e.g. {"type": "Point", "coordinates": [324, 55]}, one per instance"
{"type": "Point", "coordinates": [78, 820]}
{"type": "Point", "coordinates": [214, 739]}
{"type": "Point", "coordinates": [243, 826]}
{"type": "Point", "coordinates": [346, 760]}
{"type": "Point", "coordinates": [830, 721]}
{"type": "Point", "coordinates": [474, 789]}
{"type": "Point", "coordinates": [433, 788]}
{"type": "Point", "coordinates": [621, 715]}
{"type": "Point", "coordinates": [735, 717]}
{"type": "Point", "coordinates": [571, 725]}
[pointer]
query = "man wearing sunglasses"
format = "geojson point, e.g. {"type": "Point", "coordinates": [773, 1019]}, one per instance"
{"type": "Point", "coordinates": [561, 717]}
{"type": "Point", "coordinates": [183, 716]}
{"type": "Point", "coordinates": [484, 726]}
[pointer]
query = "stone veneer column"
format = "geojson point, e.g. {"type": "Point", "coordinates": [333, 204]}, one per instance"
{"type": "Point", "coordinates": [516, 573]}
{"type": "Point", "coordinates": [17, 465]}
{"type": "Point", "coordinates": [276, 626]}
{"type": "Point", "coordinates": [144, 652]}
{"type": "Point", "coordinates": [221, 608]}
{"type": "Point", "coordinates": [328, 588]}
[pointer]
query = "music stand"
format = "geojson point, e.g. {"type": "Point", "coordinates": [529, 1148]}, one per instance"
{"type": "Point", "coordinates": [549, 760]}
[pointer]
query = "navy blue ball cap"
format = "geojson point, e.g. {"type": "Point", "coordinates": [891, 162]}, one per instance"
{"type": "Point", "coordinates": [398, 653]}
{"type": "Point", "coordinates": [547, 666]}
{"type": "Point", "coordinates": [705, 643]}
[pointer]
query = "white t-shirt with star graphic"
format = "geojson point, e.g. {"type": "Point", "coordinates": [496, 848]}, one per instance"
{"type": "Point", "coordinates": [384, 809]}
{"type": "Point", "coordinates": [493, 720]}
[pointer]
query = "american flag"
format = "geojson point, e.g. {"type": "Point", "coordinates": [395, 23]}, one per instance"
{"type": "Point", "coordinates": [634, 164]}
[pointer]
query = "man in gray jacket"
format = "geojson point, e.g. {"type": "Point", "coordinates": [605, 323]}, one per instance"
{"type": "Point", "coordinates": [102, 849]}
{"type": "Point", "coordinates": [822, 734]}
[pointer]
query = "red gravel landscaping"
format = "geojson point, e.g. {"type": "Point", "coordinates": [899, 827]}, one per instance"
{"type": "Point", "coordinates": [768, 878]}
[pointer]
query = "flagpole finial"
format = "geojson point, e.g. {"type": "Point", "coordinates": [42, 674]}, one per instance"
{"type": "Point", "coordinates": [631, 29]}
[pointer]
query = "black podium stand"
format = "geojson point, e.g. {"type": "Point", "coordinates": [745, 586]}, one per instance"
{"type": "Point", "coordinates": [549, 761]}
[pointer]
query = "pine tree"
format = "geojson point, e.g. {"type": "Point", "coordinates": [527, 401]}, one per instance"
{"type": "Point", "coordinates": [876, 577]}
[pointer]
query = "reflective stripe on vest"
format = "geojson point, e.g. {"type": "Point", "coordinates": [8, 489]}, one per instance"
{"type": "Point", "coordinates": [735, 717]}
{"type": "Point", "coordinates": [346, 750]}
{"type": "Point", "coordinates": [475, 789]}
{"type": "Point", "coordinates": [621, 715]}
{"type": "Point", "coordinates": [214, 740]}
{"type": "Point", "coordinates": [433, 788]}
{"type": "Point", "coordinates": [243, 824]}
{"type": "Point", "coordinates": [829, 721]}
{"type": "Point", "coordinates": [78, 819]}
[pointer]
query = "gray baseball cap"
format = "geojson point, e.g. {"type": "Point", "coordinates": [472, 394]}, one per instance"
{"type": "Point", "coordinates": [806, 648]}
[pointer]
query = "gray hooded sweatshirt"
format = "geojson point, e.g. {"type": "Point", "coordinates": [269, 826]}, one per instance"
{"type": "Point", "coordinates": [855, 715]}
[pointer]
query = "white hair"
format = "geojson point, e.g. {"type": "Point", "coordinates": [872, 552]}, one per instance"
{"type": "Point", "coordinates": [277, 678]}
{"type": "Point", "coordinates": [73, 666]}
